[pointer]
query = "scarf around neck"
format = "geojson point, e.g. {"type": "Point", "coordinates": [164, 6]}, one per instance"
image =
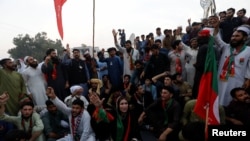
{"type": "Point", "coordinates": [121, 134]}
{"type": "Point", "coordinates": [29, 130]}
{"type": "Point", "coordinates": [75, 125]}
{"type": "Point", "coordinates": [131, 62]}
{"type": "Point", "coordinates": [178, 66]}
{"type": "Point", "coordinates": [228, 68]}
{"type": "Point", "coordinates": [166, 106]}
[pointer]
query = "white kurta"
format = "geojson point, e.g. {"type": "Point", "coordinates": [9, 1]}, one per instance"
{"type": "Point", "coordinates": [182, 56]}
{"type": "Point", "coordinates": [126, 59]}
{"type": "Point", "coordinates": [190, 69]}
{"type": "Point", "coordinates": [36, 84]}
{"type": "Point", "coordinates": [161, 37]}
{"type": "Point", "coordinates": [84, 129]}
{"type": "Point", "coordinates": [242, 71]}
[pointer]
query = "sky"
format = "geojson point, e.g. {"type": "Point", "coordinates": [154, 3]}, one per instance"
{"type": "Point", "coordinates": [135, 16]}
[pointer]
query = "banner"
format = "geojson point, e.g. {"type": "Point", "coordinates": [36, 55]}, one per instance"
{"type": "Point", "coordinates": [58, 8]}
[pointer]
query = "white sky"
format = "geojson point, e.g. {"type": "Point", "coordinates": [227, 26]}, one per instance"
{"type": "Point", "coordinates": [135, 16]}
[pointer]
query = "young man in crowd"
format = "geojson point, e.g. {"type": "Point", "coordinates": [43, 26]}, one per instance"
{"type": "Point", "coordinates": [28, 121]}
{"type": "Point", "coordinates": [55, 123]}
{"type": "Point", "coordinates": [79, 119]}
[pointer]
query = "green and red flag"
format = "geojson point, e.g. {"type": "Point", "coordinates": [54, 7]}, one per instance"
{"type": "Point", "coordinates": [207, 105]}
{"type": "Point", "coordinates": [58, 9]}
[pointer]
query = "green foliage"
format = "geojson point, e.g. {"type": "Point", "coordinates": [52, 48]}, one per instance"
{"type": "Point", "coordinates": [83, 45]}
{"type": "Point", "coordinates": [34, 46]}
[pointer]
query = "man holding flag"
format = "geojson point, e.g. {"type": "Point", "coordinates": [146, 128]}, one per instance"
{"type": "Point", "coordinates": [234, 69]}
{"type": "Point", "coordinates": [234, 65]}
{"type": "Point", "coordinates": [207, 106]}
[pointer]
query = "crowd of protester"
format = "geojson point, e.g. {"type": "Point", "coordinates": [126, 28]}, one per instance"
{"type": "Point", "coordinates": [144, 90]}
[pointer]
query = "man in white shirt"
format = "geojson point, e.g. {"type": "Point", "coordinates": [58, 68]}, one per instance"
{"type": "Point", "coordinates": [159, 35]}
{"type": "Point", "coordinates": [79, 119]}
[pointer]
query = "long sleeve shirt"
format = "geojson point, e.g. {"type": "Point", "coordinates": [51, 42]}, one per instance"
{"type": "Point", "coordinates": [84, 129]}
{"type": "Point", "coordinates": [35, 123]}
{"type": "Point", "coordinates": [157, 115]}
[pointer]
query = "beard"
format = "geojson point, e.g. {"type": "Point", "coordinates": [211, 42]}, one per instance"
{"type": "Point", "coordinates": [234, 44]}
{"type": "Point", "coordinates": [34, 65]}
{"type": "Point", "coordinates": [75, 114]}
{"type": "Point", "coordinates": [26, 117]}
{"type": "Point", "coordinates": [55, 60]}
{"type": "Point", "coordinates": [12, 68]}
{"type": "Point", "coordinates": [77, 57]}
{"type": "Point", "coordinates": [129, 49]}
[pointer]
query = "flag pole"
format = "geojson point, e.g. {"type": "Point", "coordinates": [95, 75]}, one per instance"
{"type": "Point", "coordinates": [206, 122]}
{"type": "Point", "coordinates": [93, 38]}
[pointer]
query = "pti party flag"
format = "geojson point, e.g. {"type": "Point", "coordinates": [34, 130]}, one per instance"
{"type": "Point", "coordinates": [58, 8]}
{"type": "Point", "coordinates": [207, 105]}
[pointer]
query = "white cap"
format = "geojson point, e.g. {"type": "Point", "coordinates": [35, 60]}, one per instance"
{"type": "Point", "coordinates": [25, 59]}
{"type": "Point", "coordinates": [245, 29]}
{"type": "Point", "coordinates": [74, 88]}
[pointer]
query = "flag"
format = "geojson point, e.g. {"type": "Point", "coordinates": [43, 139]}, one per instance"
{"type": "Point", "coordinates": [208, 89]}
{"type": "Point", "coordinates": [58, 8]}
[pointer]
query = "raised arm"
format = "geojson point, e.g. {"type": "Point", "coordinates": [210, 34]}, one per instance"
{"type": "Point", "coordinates": [121, 49]}
{"type": "Point", "coordinates": [59, 104]}
{"type": "Point", "coordinates": [217, 37]}
{"type": "Point", "coordinates": [66, 56]}
{"type": "Point", "coordinates": [156, 77]}
{"type": "Point", "coordinates": [185, 47]}
{"type": "Point", "coordinates": [26, 78]}
{"type": "Point", "coordinates": [3, 100]}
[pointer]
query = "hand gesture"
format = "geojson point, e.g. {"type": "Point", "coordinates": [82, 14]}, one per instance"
{"type": "Point", "coordinates": [4, 98]}
{"type": "Point", "coordinates": [189, 21]}
{"type": "Point", "coordinates": [162, 137]}
{"type": "Point", "coordinates": [237, 122]}
{"type": "Point", "coordinates": [141, 118]}
{"type": "Point", "coordinates": [47, 59]}
{"type": "Point", "coordinates": [50, 93]}
{"type": "Point", "coordinates": [114, 33]}
{"type": "Point", "coordinates": [142, 74]}
{"type": "Point", "coordinates": [94, 99]}
{"type": "Point", "coordinates": [246, 84]}
{"type": "Point", "coordinates": [166, 73]}
{"type": "Point", "coordinates": [214, 22]}
{"type": "Point", "coordinates": [66, 85]}
{"type": "Point", "coordinates": [67, 48]}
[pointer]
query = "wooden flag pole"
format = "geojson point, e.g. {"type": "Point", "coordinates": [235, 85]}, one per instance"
{"type": "Point", "coordinates": [93, 38]}
{"type": "Point", "coordinates": [206, 122]}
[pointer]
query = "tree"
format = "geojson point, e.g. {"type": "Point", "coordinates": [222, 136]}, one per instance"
{"type": "Point", "coordinates": [36, 47]}
{"type": "Point", "coordinates": [83, 45]}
